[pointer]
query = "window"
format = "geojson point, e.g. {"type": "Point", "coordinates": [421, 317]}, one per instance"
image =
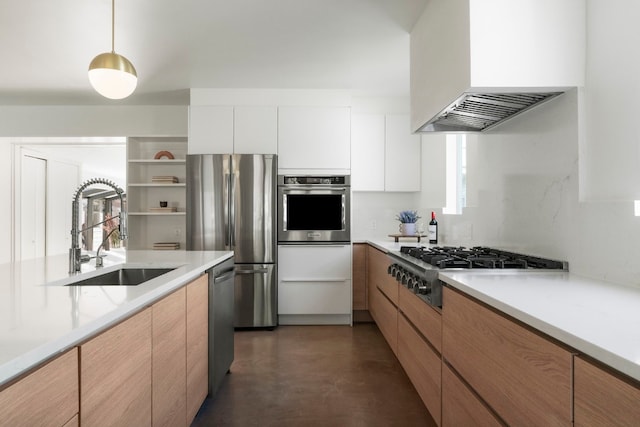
{"type": "Point", "coordinates": [456, 174]}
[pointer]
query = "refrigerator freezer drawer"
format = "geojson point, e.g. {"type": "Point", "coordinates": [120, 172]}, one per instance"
{"type": "Point", "coordinates": [256, 296]}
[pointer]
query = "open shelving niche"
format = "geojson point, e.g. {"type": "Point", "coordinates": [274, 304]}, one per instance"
{"type": "Point", "coordinates": [147, 227]}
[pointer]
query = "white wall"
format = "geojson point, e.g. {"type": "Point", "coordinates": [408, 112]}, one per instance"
{"type": "Point", "coordinates": [559, 180]}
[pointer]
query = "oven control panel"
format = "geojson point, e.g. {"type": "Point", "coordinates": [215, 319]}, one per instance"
{"type": "Point", "coordinates": [314, 180]}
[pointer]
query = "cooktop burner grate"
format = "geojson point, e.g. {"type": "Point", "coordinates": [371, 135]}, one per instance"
{"type": "Point", "coordinates": [478, 257]}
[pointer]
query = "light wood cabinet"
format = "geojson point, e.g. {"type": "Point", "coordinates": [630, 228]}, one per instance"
{"type": "Point", "coordinates": [197, 320]}
{"type": "Point", "coordinates": [359, 276]}
{"type": "Point", "coordinates": [604, 398]}
{"type": "Point", "coordinates": [46, 397]}
{"type": "Point", "coordinates": [383, 296]}
{"type": "Point", "coordinates": [210, 129]}
{"type": "Point", "coordinates": [460, 406]}
{"type": "Point", "coordinates": [169, 374]}
{"type": "Point", "coordinates": [73, 422]}
{"type": "Point", "coordinates": [115, 375]}
{"type": "Point", "coordinates": [424, 317]}
{"type": "Point", "coordinates": [377, 265]}
{"type": "Point", "coordinates": [314, 138]}
{"type": "Point", "coordinates": [524, 377]}
{"type": "Point", "coordinates": [422, 365]}
{"type": "Point", "coordinates": [385, 313]}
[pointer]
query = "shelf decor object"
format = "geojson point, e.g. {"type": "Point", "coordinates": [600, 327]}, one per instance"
{"type": "Point", "coordinates": [163, 155]}
{"type": "Point", "coordinates": [112, 75]}
{"type": "Point", "coordinates": [164, 179]}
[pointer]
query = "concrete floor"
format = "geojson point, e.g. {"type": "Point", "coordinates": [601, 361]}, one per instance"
{"type": "Point", "coordinates": [314, 376]}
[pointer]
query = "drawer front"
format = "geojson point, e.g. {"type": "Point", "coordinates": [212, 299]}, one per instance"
{"type": "Point", "coordinates": [460, 407]}
{"type": "Point", "coordinates": [378, 263]}
{"type": "Point", "coordinates": [386, 316]}
{"type": "Point", "coordinates": [523, 376]}
{"type": "Point", "coordinates": [422, 366]}
{"type": "Point", "coordinates": [424, 317]}
{"type": "Point", "coordinates": [47, 396]}
{"type": "Point", "coordinates": [602, 398]}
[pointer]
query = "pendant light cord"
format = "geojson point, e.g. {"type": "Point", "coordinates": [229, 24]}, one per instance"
{"type": "Point", "coordinates": [113, 25]}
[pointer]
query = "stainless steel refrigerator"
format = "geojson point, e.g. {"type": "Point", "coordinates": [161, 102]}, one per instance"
{"type": "Point", "coordinates": [231, 205]}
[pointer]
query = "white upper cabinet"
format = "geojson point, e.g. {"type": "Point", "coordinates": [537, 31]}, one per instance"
{"type": "Point", "coordinates": [255, 130]}
{"type": "Point", "coordinates": [402, 154]}
{"type": "Point", "coordinates": [210, 129]}
{"type": "Point", "coordinates": [385, 155]}
{"type": "Point", "coordinates": [314, 138]}
{"type": "Point", "coordinates": [494, 46]}
{"type": "Point", "coordinates": [367, 152]}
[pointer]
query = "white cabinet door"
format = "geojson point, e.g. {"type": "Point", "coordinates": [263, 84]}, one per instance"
{"type": "Point", "coordinates": [402, 154]}
{"type": "Point", "coordinates": [367, 152]}
{"type": "Point", "coordinates": [314, 281]}
{"type": "Point", "coordinates": [314, 138]}
{"type": "Point", "coordinates": [210, 129]}
{"type": "Point", "coordinates": [255, 130]}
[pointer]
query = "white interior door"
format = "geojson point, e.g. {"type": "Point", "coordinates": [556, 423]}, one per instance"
{"type": "Point", "coordinates": [33, 183]}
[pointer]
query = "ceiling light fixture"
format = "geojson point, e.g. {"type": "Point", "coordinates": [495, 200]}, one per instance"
{"type": "Point", "coordinates": [111, 75]}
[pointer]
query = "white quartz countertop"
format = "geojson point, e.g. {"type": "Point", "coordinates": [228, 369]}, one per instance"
{"type": "Point", "coordinates": [40, 317]}
{"type": "Point", "coordinates": [601, 320]}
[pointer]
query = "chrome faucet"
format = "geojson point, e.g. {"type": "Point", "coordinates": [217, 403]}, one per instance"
{"type": "Point", "coordinates": [75, 257]}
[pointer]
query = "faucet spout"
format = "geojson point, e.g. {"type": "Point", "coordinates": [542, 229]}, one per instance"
{"type": "Point", "coordinates": [75, 259]}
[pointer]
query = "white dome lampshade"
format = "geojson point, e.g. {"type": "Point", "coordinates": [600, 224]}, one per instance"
{"type": "Point", "coordinates": [112, 76]}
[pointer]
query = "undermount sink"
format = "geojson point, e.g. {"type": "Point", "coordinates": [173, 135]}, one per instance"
{"type": "Point", "coordinates": [123, 277]}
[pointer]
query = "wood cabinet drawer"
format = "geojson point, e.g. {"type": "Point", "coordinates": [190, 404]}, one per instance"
{"type": "Point", "coordinates": [378, 262]}
{"type": "Point", "coordinates": [460, 407]}
{"type": "Point", "coordinates": [386, 316]}
{"type": "Point", "coordinates": [45, 397]}
{"type": "Point", "coordinates": [115, 375]}
{"type": "Point", "coordinates": [602, 398]}
{"type": "Point", "coordinates": [523, 376]}
{"type": "Point", "coordinates": [359, 276]}
{"type": "Point", "coordinates": [422, 365]}
{"type": "Point", "coordinates": [424, 317]}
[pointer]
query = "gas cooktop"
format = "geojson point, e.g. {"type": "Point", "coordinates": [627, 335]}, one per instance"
{"type": "Point", "coordinates": [417, 267]}
{"type": "Point", "coordinates": [478, 257]}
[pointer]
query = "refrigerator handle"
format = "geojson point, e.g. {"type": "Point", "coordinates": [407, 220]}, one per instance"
{"type": "Point", "coordinates": [232, 212]}
{"type": "Point", "coordinates": [227, 208]}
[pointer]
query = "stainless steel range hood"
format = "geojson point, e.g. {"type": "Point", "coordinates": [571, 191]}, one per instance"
{"type": "Point", "coordinates": [476, 112]}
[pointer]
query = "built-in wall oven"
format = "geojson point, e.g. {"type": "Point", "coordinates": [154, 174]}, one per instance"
{"type": "Point", "coordinates": [314, 209]}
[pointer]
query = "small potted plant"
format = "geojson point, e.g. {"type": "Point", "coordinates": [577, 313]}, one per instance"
{"type": "Point", "coordinates": [408, 221]}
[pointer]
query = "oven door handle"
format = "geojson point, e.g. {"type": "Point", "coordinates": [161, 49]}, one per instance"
{"type": "Point", "coordinates": [289, 190]}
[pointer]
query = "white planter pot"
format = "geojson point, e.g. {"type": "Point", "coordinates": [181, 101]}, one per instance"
{"type": "Point", "coordinates": [408, 229]}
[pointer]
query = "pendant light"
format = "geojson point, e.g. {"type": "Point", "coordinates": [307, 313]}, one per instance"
{"type": "Point", "coordinates": [110, 74]}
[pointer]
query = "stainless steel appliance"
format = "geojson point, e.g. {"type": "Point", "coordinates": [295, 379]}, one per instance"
{"type": "Point", "coordinates": [231, 203]}
{"type": "Point", "coordinates": [221, 295]}
{"type": "Point", "coordinates": [417, 268]}
{"type": "Point", "coordinates": [314, 209]}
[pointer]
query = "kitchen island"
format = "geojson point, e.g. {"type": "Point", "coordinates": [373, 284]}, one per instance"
{"type": "Point", "coordinates": [41, 318]}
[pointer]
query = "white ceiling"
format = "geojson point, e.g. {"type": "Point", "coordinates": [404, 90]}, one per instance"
{"type": "Point", "coordinates": [359, 45]}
